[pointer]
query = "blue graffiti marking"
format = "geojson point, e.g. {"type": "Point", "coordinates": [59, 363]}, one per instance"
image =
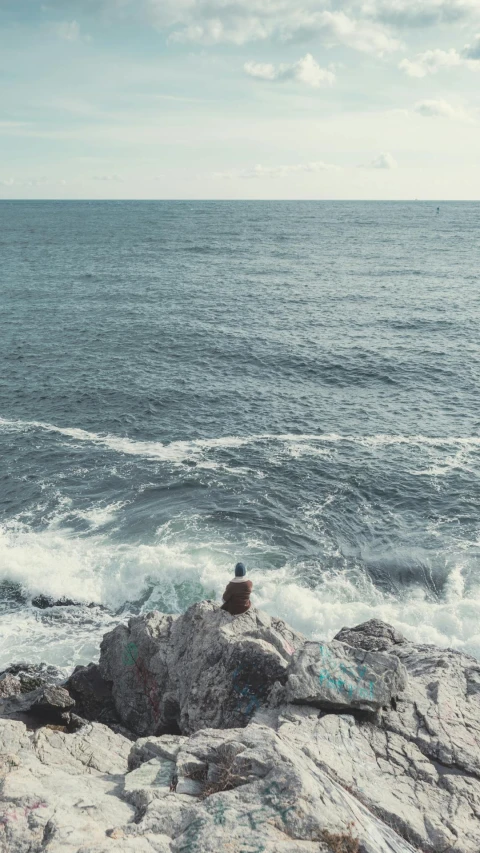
{"type": "Point", "coordinates": [248, 701]}
{"type": "Point", "coordinates": [331, 673]}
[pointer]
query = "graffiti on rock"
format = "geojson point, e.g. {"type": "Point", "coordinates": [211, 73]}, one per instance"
{"type": "Point", "coordinates": [351, 681]}
{"type": "Point", "coordinates": [146, 680]}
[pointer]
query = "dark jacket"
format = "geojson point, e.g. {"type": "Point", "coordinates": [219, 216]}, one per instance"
{"type": "Point", "coordinates": [237, 597]}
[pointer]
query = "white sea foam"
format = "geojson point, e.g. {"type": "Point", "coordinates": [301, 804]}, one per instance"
{"type": "Point", "coordinates": [179, 451]}
{"type": "Point", "coordinates": [185, 563]}
{"type": "Point", "coordinates": [183, 566]}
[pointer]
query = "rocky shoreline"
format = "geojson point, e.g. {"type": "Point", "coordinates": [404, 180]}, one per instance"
{"type": "Point", "coordinates": [205, 733]}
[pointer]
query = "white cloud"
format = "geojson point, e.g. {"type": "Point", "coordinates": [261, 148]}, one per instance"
{"type": "Point", "coordinates": [67, 30]}
{"type": "Point", "coordinates": [8, 182]}
{"type": "Point", "coordinates": [364, 36]}
{"type": "Point", "coordinates": [442, 109]}
{"type": "Point", "coordinates": [220, 21]}
{"type": "Point", "coordinates": [306, 71]}
{"type": "Point", "coordinates": [260, 171]}
{"type": "Point", "coordinates": [383, 161]}
{"type": "Point", "coordinates": [433, 61]}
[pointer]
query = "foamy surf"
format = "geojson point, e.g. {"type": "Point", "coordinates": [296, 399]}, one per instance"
{"type": "Point", "coordinates": [179, 451]}
{"type": "Point", "coordinates": [180, 568]}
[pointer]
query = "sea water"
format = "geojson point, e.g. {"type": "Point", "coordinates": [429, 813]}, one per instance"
{"type": "Point", "coordinates": [188, 384]}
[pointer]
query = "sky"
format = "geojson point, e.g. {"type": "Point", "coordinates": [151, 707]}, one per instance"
{"type": "Point", "coordinates": [232, 99]}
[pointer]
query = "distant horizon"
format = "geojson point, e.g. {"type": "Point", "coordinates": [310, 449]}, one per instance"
{"type": "Point", "coordinates": [240, 200]}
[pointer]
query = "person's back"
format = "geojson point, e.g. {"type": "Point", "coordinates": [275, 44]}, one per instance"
{"type": "Point", "coordinates": [237, 594]}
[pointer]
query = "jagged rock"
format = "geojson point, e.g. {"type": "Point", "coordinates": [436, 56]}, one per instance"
{"type": "Point", "coordinates": [31, 676]}
{"type": "Point", "coordinates": [440, 712]}
{"type": "Point", "coordinates": [252, 791]}
{"type": "Point", "coordinates": [295, 779]}
{"type": "Point", "coordinates": [44, 601]}
{"type": "Point", "coordinates": [49, 704]}
{"type": "Point", "coordinates": [92, 695]}
{"type": "Point", "coordinates": [373, 636]}
{"type": "Point", "coordinates": [145, 749]}
{"type": "Point", "coordinates": [52, 703]}
{"type": "Point", "coordinates": [205, 668]}
{"type": "Point", "coordinates": [241, 790]}
{"type": "Point", "coordinates": [62, 793]}
{"type": "Point", "coordinates": [337, 676]}
{"type": "Point", "coordinates": [10, 685]}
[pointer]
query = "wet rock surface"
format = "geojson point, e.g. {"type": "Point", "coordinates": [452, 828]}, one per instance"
{"type": "Point", "coordinates": [283, 775]}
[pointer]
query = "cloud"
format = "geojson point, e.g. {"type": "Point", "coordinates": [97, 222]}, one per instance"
{"type": "Point", "coordinates": [364, 36]}
{"type": "Point", "coordinates": [359, 24]}
{"type": "Point", "coordinates": [420, 13]}
{"type": "Point", "coordinates": [383, 161]}
{"type": "Point", "coordinates": [442, 109]}
{"type": "Point", "coordinates": [306, 71]}
{"type": "Point", "coordinates": [218, 21]}
{"type": "Point", "coordinates": [433, 61]}
{"type": "Point", "coordinates": [260, 171]}
{"type": "Point", "coordinates": [67, 30]}
{"type": "Point", "coordinates": [472, 51]}
{"type": "Point", "coordinates": [7, 182]}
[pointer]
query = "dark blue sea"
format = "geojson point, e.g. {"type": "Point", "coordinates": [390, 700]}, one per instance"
{"type": "Point", "coordinates": [188, 384]}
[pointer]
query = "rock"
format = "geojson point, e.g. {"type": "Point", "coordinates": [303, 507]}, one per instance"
{"type": "Point", "coordinates": [44, 601]}
{"type": "Point", "coordinates": [205, 668]}
{"type": "Point", "coordinates": [253, 791]}
{"type": "Point", "coordinates": [257, 792]}
{"type": "Point", "coordinates": [292, 778]}
{"type": "Point", "coordinates": [10, 685]}
{"type": "Point", "coordinates": [32, 676]}
{"type": "Point", "coordinates": [145, 749]}
{"type": "Point", "coordinates": [334, 676]}
{"type": "Point", "coordinates": [52, 703]}
{"type": "Point", "coordinates": [63, 792]}
{"type": "Point", "coordinates": [373, 636]}
{"type": "Point", "coordinates": [49, 704]}
{"type": "Point", "coordinates": [92, 695]}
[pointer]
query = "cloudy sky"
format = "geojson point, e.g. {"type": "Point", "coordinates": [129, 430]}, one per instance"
{"type": "Point", "coordinates": [240, 99]}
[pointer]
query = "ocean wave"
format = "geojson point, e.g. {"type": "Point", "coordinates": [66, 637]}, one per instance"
{"type": "Point", "coordinates": [178, 451]}
{"type": "Point", "coordinates": [181, 567]}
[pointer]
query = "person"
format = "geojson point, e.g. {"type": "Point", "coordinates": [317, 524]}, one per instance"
{"type": "Point", "coordinates": [236, 597]}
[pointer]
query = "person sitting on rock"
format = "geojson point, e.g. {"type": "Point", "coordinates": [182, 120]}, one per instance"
{"type": "Point", "coordinates": [237, 594]}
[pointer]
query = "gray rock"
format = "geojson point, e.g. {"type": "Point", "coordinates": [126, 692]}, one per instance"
{"type": "Point", "coordinates": [92, 695]}
{"type": "Point", "coordinates": [373, 636]}
{"type": "Point", "coordinates": [257, 792]}
{"type": "Point", "coordinates": [10, 685]}
{"type": "Point", "coordinates": [205, 668]}
{"type": "Point", "coordinates": [294, 779]}
{"type": "Point", "coordinates": [49, 704]}
{"type": "Point", "coordinates": [61, 792]}
{"type": "Point", "coordinates": [336, 676]}
{"type": "Point", "coordinates": [31, 676]}
{"type": "Point", "coordinates": [45, 601]}
{"type": "Point", "coordinates": [145, 749]}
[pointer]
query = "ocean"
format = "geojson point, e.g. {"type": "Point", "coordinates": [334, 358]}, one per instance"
{"type": "Point", "coordinates": [188, 384]}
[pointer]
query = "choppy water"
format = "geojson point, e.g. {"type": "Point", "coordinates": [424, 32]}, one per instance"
{"type": "Point", "coordinates": [186, 384]}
